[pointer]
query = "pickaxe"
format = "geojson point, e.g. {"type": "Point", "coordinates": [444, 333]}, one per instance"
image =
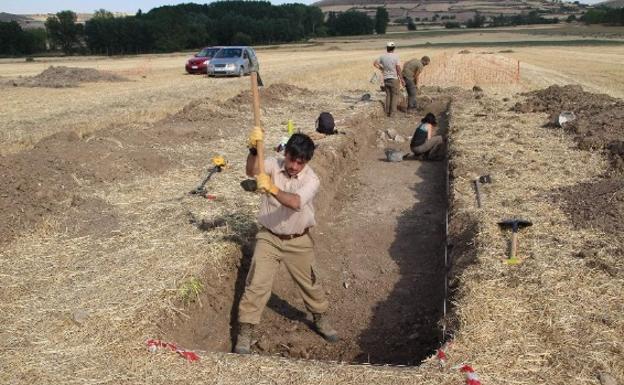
{"type": "Point", "coordinates": [515, 225]}
{"type": "Point", "coordinates": [219, 163]}
{"type": "Point", "coordinates": [478, 182]}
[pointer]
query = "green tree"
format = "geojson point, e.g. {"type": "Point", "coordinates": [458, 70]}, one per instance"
{"type": "Point", "coordinates": [478, 21]}
{"type": "Point", "coordinates": [381, 20]}
{"type": "Point", "coordinates": [354, 23]}
{"type": "Point", "coordinates": [411, 26]}
{"type": "Point", "coordinates": [64, 32]}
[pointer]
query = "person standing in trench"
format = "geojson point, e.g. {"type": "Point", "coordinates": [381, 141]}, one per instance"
{"type": "Point", "coordinates": [390, 66]}
{"type": "Point", "coordinates": [286, 215]}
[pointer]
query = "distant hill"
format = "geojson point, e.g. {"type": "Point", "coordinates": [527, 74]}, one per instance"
{"type": "Point", "coordinates": [38, 20]}
{"type": "Point", "coordinates": [459, 10]}
{"type": "Point", "coordinates": [6, 17]}
{"type": "Point", "coordinates": [613, 3]}
{"type": "Point", "coordinates": [25, 21]}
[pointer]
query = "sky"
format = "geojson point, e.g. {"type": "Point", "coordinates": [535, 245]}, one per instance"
{"type": "Point", "coordinates": [88, 6]}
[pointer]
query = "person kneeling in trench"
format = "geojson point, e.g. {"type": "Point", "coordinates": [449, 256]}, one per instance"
{"type": "Point", "coordinates": [425, 144]}
{"type": "Point", "coordinates": [286, 215]}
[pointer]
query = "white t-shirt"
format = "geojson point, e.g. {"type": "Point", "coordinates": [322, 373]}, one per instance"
{"type": "Point", "coordinates": [389, 62]}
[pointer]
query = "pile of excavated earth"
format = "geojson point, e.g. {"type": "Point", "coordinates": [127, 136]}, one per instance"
{"type": "Point", "coordinates": [63, 77]}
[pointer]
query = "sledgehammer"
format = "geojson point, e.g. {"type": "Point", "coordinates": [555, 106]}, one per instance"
{"type": "Point", "coordinates": [514, 225]}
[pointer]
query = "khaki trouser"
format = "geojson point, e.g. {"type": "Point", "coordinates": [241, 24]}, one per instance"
{"type": "Point", "coordinates": [392, 87]}
{"type": "Point", "coordinates": [410, 86]}
{"type": "Point", "coordinates": [433, 148]}
{"type": "Point", "coordinates": [297, 254]}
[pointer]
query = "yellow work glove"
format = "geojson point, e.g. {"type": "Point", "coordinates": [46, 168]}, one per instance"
{"type": "Point", "coordinates": [265, 184]}
{"type": "Point", "coordinates": [255, 135]}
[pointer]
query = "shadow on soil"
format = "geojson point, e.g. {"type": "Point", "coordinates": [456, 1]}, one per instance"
{"type": "Point", "coordinates": [405, 327]}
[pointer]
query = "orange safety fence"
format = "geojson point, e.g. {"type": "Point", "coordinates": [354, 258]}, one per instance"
{"type": "Point", "coordinates": [469, 69]}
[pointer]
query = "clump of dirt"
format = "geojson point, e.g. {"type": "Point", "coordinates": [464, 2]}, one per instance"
{"type": "Point", "coordinates": [599, 120]}
{"type": "Point", "coordinates": [275, 93]}
{"type": "Point", "coordinates": [63, 77]}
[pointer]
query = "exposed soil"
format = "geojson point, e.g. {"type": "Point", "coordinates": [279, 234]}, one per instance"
{"type": "Point", "coordinates": [44, 182]}
{"type": "Point", "coordinates": [598, 205]}
{"type": "Point", "coordinates": [63, 77]}
{"type": "Point", "coordinates": [599, 120]}
{"type": "Point", "coordinates": [275, 93]}
{"type": "Point", "coordinates": [599, 126]}
{"type": "Point", "coordinates": [380, 253]}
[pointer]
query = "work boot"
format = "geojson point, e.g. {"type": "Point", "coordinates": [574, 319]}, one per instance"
{"type": "Point", "coordinates": [243, 340]}
{"type": "Point", "coordinates": [324, 328]}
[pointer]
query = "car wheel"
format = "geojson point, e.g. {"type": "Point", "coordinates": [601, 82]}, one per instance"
{"type": "Point", "coordinates": [241, 71]}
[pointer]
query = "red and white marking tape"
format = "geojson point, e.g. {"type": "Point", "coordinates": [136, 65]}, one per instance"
{"type": "Point", "coordinates": [471, 376]}
{"type": "Point", "coordinates": [153, 346]}
{"type": "Point", "coordinates": [441, 354]}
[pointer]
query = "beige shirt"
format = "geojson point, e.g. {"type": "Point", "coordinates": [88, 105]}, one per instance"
{"type": "Point", "coordinates": [279, 218]}
{"type": "Point", "coordinates": [412, 68]}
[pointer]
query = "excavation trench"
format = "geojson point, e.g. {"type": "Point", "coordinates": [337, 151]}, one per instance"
{"type": "Point", "coordinates": [380, 245]}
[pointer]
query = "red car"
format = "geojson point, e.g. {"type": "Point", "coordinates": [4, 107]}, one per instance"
{"type": "Point", "coordinates": [198, 63]}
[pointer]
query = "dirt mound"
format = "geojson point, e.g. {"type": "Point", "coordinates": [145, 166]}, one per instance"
{"type": "Point", "coordinates": [200, 110]}
{"type": "Point", "coordinates": [62, 77]}
{"type": "Point", "coordinates": [599, 120]}
{"type": "Point", "coordinates": [44, 181]}
{"type": "Point", "coordinates": [272, 94]}
{"type": "Point", "coordinates": [599, 125]}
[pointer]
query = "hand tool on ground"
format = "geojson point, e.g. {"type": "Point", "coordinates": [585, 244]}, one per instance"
{"type": "Point", "coordinates": [514, 224]}
{"type": "Point", "coordinates": [478, 182]}
{"type": "Point", "coordinates": [219, 163]}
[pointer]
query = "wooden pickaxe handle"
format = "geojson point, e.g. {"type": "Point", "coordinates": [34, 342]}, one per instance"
{"type": "Point", "coordinates": [256, 108]}
{"type": "Point", "coordinates": [514, 245]}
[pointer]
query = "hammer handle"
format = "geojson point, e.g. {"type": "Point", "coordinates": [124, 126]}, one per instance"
{"type": "Point", "coordinates": [514, 245]}
{"type": "Point", "coordinates": [478, 192]}
{"type": "Point", "coordinates": [256, 109]}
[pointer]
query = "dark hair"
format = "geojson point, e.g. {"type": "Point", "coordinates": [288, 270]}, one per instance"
{"type": "Point", "coordinates": [300, 146]}
{"type": "Point", "coordinates": [429, 118]}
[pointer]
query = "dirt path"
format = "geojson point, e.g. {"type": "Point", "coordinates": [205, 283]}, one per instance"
{"type": "Point", "coordinates": [381, 254]}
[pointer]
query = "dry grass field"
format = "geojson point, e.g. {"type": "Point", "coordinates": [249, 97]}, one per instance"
{"type": "Point", "coordinates": [110, 254]}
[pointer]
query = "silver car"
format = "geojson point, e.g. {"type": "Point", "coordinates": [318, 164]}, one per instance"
{"type": "Point", "coordinates": [233, 61]}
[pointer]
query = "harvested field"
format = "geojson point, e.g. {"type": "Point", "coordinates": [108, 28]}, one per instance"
{"type": "Point", "coordinates": [103, 246]}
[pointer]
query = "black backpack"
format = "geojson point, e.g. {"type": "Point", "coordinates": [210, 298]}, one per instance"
{"type": "Point", "coordinates": [325, 124]}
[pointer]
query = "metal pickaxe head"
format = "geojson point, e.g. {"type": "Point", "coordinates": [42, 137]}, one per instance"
{"type": "Point", "coordinates": [514, 224]}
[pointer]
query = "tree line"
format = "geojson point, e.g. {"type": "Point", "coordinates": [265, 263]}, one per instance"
{"type": "Point", "coordinates": [187, 26]}
{"type": "Point", "coordinates": [604, 15]}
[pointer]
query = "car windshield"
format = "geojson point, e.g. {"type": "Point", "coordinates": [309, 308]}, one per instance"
{"type": "Point", "coordinates": [207, 52]}
{"type": "Point", "coordinates": [229, 52]}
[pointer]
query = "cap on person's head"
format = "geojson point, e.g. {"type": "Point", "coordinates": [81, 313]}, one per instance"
{"type": "Point", "coordinates": [425, 60]}
{"type": "Point", "coordinates": [390, 44]}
